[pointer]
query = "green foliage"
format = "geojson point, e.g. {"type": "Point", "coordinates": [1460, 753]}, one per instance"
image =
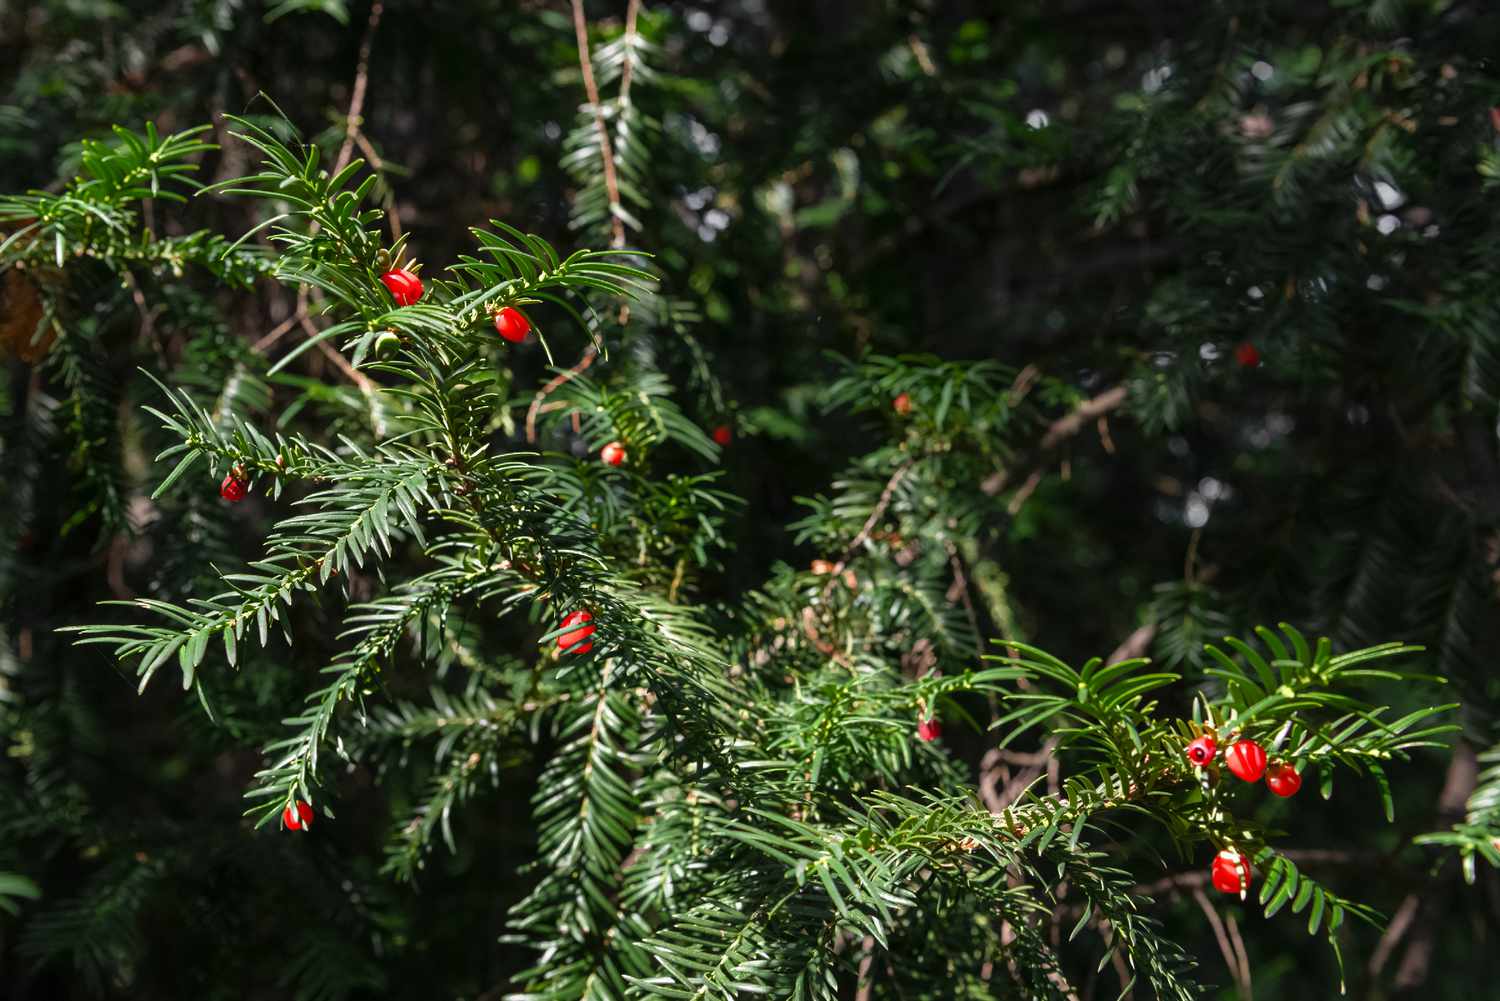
{"type": "Point", "coordinates": [1046, 235]}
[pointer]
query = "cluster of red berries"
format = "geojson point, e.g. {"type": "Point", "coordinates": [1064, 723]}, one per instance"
{"type": "Point", "coordinates": [1247, 760]}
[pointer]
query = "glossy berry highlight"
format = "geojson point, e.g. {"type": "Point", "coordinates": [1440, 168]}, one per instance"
{"type": "Point", "coordinates": [1201, 751]}
{"type": "Point", "coordinates": [235, 486]}
{"type": "Point", "coordinates": [298, 817]}
{"type": "Point", "coordinates": [1246, 759]}
{"type": "Point", "coordinates": [1283, 780]}
{"type": "Point", "coordinates": [612, 454]}
{"type": "Point", "coordinates": [1231, 873]}
{"type": "Point", "coordinates": [404, 286]}
{"type": "Point", "coordinates": [579, 639]}
{"type": "Point", "coordinates": [512, 325]}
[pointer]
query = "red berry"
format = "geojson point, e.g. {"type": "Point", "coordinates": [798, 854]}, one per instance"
{"type": "Point", "coordinates": [929, 729]}
{"type": "Point", "coordinates": [612, 454]}
{"type": "Point", "coordinates": [404, 286]}
{"type": "Point", "coordinates": [723, 435]}
{"type": "Point", "coordinates": [298, 820]}
{"type": "Point", "coordinates": [902, 404]}
{"type": "Point", "coordinates": [1247, 355]}
{"type": "Point", "coordinates": [1247, 759]}
{"type": "Point", "coordinates": [1283, 780]}
{"type": "Point", "coordinates": [1201, 751]}
{"type": "Point", "coordinates": [1231, 873]}
{"type": "Point", "coordinates": [234, 487]}
{"type": "Point", "coordinates": [512, 324]}
{"type": "Point", "coordinates": [577, 640]}
{"type": "Point", "coordinates": [1495, 118]}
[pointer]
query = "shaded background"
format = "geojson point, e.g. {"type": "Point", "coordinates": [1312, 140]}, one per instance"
{"type": "Point", "coordinates": [1116, 193]}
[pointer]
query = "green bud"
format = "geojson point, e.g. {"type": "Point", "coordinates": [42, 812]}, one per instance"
{"type": "Point", "coordinates": [387, 344]}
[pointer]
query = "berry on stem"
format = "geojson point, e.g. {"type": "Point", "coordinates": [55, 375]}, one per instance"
{"type": "Point", "coordinates": [902, 404]}
{"type": "Point", "coordinates": [299, 819]}
{"type": "Point", "coordinates": [1231, 873]}
{"type": "Point", "coordinates": [929, 729]}
{"type": "Point", "coordinates": [512, 324]}
{"type": "Point", "coordinates": [235, 486]}
{"type": "Point", "coordinates": [723, 435]}
{"type": "Point", "coordinates": [1201, 751]}
{"type": "Point", "coordinates": [1246, 759]}
{"type": "Point", "coordinates": [1247, 355]}
{"type": "Point", "coordinates": [577, 640]}
{"type": "Point", "coordinates": [405, 287]}
{"type": "Point", "coordinates": [1283, 780]}
{"type": "Point", "coordinates": [612, 454]}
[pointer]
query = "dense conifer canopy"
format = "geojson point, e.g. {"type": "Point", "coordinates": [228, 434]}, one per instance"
{"type": "Point", "coordinates": [621, 501]}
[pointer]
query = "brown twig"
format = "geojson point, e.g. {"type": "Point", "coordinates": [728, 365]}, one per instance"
{"type": "Point", "coordinates": [1241, 956]}
{"type": "Point", "coordinates": [961, 586]}
{"type": "Point", "coordinates": [339, 361]}
{"type": "Point", "coordinates": [632, 13]}
{"type": "Point", "coordinates": [1394, 933]}
{"type": "Point", "coordinates": [1221, 935]}
{"type": "Point", "coordinates": [352, 135]}
{"type": "Point", "coordinates": [1060, 430]}
{"type": "Point", "coordinates": [611, 184]}
{"type": "Point", "coordinates": [1069, 425]}
{"type": "Point", "coordinates": [606, 149]}
{"type": "Point", "coordinates": [1134, 645]}
{"type": "Point", "coordinates": [277, 332]}
{"type": "Point", "coordinates": [589, 354]}
{"type": "Point", "coordinates": [881, 505]}
{"type": "Point", "coordinates": [353, 119]}
{"type": "Point", "coordinates": [994, 768]}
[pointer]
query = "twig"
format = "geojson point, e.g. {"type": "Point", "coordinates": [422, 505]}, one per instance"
{"type": "Point", "coordinates": [352, 135]}
{"type": "Point", "coordinates": [611, 184]}
{"type": "Point", "coordinates": [994, 769]}
{"type": "Point", "coordinates": [875, 515]}
{"type": "Point", "coordinates": [961, 585]}
{"type": "Point", "coordinates": [1242, 957]}
{"type": "Point", "coordinates": [1190, 561]}
{"type": "Point", "coordinates": [632, 12]}
{"type": "Point", "coordinates": [589, 354]}
{"type": "Point", "coordinates": [606, 150]}
{"type": "Point", "coordinates": [1024, 494]}
{"type": "Point", "coordinates": [919, 50]}
{"type": "Point", "coordinates": [1061, 429]}
{"type": "Point", "coordinates": [1222, 936]}
{"type": "Point", "coordinates": [864, 980]}
{"type": "Point", "coordinates": [339, 361]}
{"type": "Point", "coordinates": [1071, 424]}
{"type": "Point", "coordinates": [1135, 645]}
{"type": "Point", "coordinates": [277, 332]}
{"type": "Point", "coordinates": [1394, 933]}
{"type": "Point", "coordinates": [361, 83]}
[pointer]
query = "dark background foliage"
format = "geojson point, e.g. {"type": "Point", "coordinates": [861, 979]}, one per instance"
{"type": "Point", "coordinates": [1117, 194]}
